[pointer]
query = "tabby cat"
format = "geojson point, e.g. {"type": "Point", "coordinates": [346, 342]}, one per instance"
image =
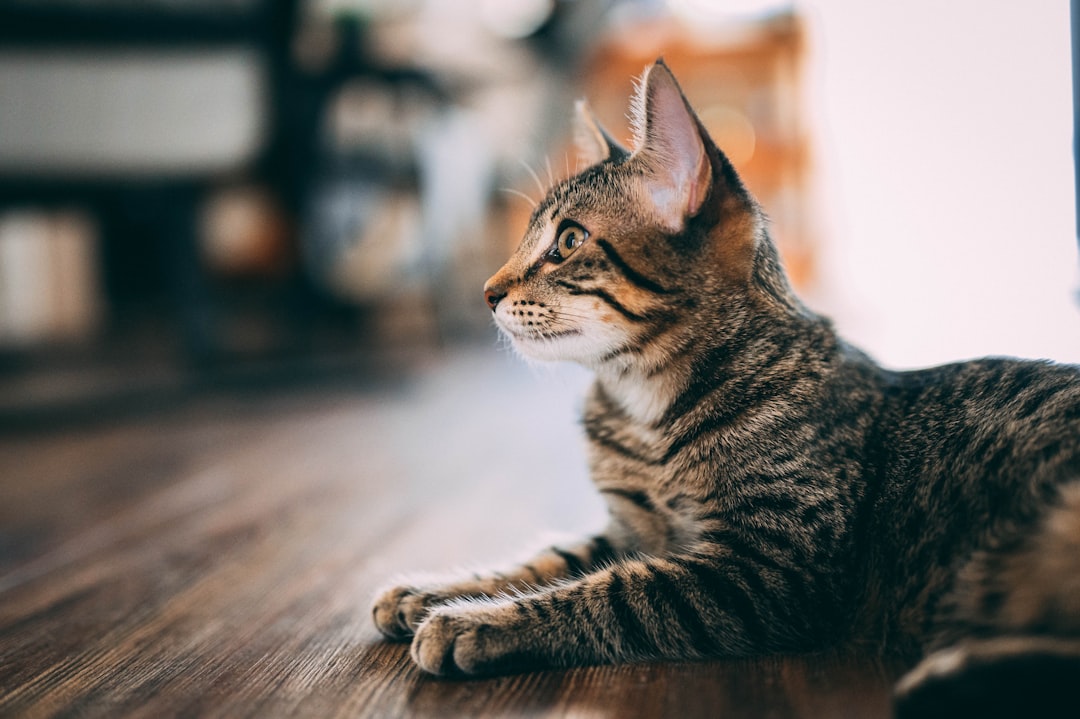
{"type": "Point", "coordinates": [771, 489]}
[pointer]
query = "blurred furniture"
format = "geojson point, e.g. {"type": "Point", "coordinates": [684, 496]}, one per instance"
{"type": "Point", "coordinates": [133, 111]}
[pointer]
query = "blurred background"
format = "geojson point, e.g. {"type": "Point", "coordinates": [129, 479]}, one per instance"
{"type": "Point", "coordinates": [199, 194]}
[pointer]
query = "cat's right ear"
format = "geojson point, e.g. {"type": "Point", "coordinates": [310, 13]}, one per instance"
{"type": "Point", "coordinates": [671, 144]}
{"type": "Point", "coordinates": [594, 144]}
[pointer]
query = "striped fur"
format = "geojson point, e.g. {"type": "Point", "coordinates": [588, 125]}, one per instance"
{"type": "Point", "coordinates": [770, 488]}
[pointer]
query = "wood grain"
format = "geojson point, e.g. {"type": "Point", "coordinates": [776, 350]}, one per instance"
{"type": "Point", "coordinates": [219, 560]}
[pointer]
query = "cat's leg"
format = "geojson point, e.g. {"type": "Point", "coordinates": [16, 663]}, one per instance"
{"type": "Point", "coordinates": [398, 611]}
{"type": "Point", "coordinates": [1005, 676]}
{"type": "Point", "coordinates": [641, 608]}
{"type": "Point", "coordinates": [1011, 628]}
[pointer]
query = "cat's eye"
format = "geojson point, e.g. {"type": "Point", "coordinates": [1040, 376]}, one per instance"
{"type": "Point", "coordinates": [571, 236]}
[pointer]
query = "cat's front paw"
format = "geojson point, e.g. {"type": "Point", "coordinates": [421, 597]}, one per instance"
{"type": "Point", "coordinates": [464, 642]}
{"type": "Point", "coordinates": [399, 611]}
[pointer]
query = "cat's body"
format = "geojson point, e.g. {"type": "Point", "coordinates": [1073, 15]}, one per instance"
{"type": "Point", "coordinates": [770, 487]}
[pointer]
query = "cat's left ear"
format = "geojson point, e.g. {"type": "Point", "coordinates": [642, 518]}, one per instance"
{"type": "Point", "coordinates": [670, 143]}
{"type": "Point", "coordinates": [594, 144]}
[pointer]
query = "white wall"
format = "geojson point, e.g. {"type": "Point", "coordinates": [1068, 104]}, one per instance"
{"type": "Point", "coordinates": [945, 154]}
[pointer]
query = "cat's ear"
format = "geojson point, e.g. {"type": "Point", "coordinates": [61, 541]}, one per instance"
{"type": "Point", "coordinates": [594, 144]}
{"type": "Point", "coordinates": [669, 141]}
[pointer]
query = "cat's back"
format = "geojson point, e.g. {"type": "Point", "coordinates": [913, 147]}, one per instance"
{"type": "Point", "coordinates": [974, 438]}
{"type": "Point", "coordinates": [983, 417]}
{"type": "Point", "coordinates": [965, 457]}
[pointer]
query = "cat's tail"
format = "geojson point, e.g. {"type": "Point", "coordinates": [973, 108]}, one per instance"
{"type": "Point", "coordinates": [1025, 658]}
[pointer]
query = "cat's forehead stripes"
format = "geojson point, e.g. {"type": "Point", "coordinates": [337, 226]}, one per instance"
{"type": "Point", "coordinates": [544, 218]}
{"type": "Point", "coordinates": [541, 243]}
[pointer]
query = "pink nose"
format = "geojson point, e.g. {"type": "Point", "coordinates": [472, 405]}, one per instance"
{"type": "Point", "coordinates": [492, 298]}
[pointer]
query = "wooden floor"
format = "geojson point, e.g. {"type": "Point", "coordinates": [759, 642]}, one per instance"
{"type": "Point", "coordinates": [218, 559]}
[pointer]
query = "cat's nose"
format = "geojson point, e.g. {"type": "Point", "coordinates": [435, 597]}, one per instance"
{"type": "Point", "coordinates": [496, 287]}
{"type": "Point", "coordinates": [492, 297]}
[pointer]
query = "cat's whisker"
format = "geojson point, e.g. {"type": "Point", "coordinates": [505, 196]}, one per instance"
{"type": "Point", "coordinates": [535, 177]}
{"type": "Point", "coordinates": [561, 315]}
{"type": "Point", "coordinates": [520, 194]}
{"type": "Point", "coordinates": [551, 175]}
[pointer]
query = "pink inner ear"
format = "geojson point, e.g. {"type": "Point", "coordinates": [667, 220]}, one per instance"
{"type": "Point", "coordinates": [673, 147]}
{"type": "Point", "coordinates": [699, 185]}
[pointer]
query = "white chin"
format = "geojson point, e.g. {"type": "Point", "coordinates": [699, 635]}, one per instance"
{"type": "Point", "coordinates": [544, 350]}
{"type": "Point", "coordinates": [567, 348]}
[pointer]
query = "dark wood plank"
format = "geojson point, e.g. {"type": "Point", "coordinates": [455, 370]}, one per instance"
{"type": "Point", "coordinates": [220, 560]}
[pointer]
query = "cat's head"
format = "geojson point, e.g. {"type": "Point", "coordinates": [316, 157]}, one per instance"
{"type": "Point", "coordinates": [638, 243]}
